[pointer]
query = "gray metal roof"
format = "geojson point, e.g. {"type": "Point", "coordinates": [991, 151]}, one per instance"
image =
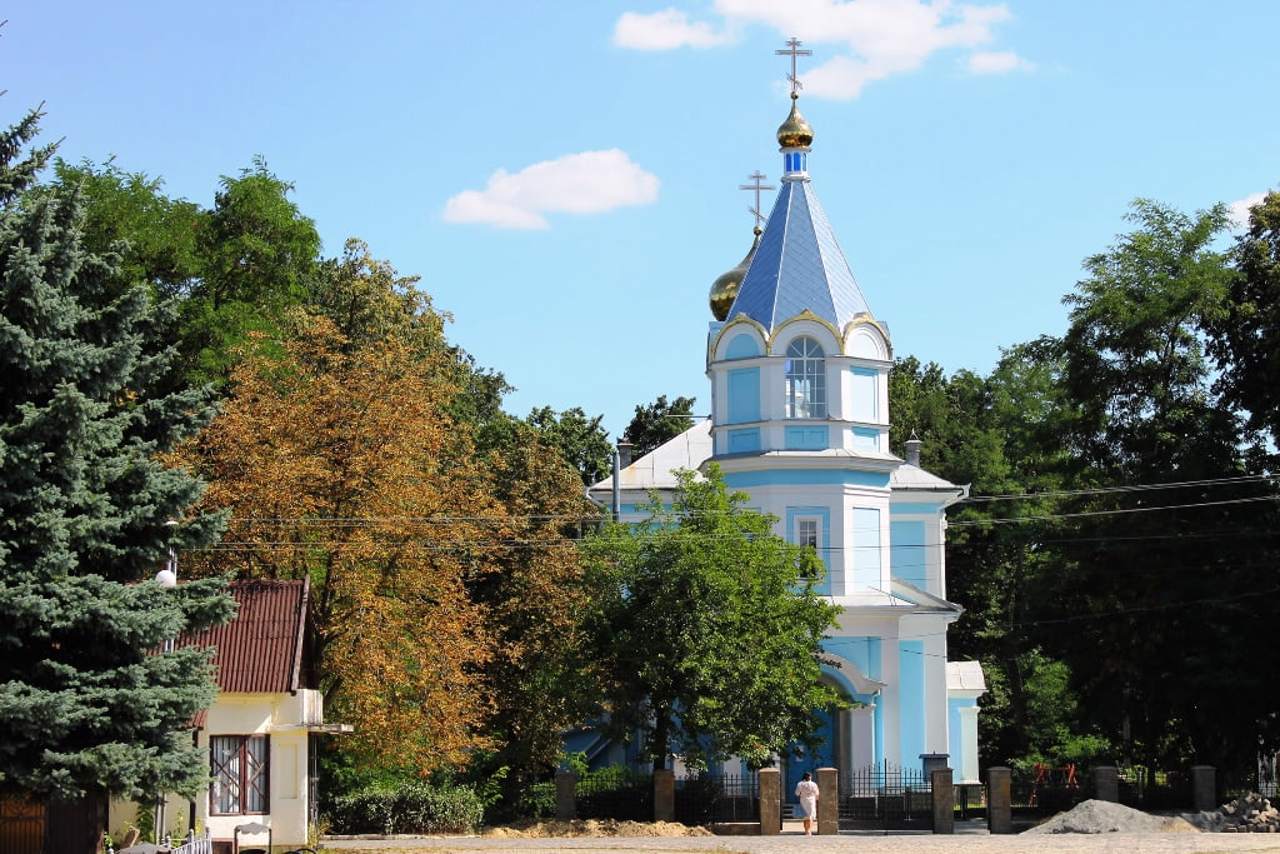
{"type": "Point", "coordinates": [799, 266]}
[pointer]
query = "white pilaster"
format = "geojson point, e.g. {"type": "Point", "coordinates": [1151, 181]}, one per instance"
{"type": "Point", "coordinates": [969, 740]}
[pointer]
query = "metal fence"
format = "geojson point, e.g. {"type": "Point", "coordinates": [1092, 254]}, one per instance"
{"type": "Point", "coordinates": [707, 799]}
{"type": "Point", "coordinates": [885, 796]}
{"type": "Point", "coordinates": [1045, 790]}
{"type": "Point", "coordinates": [1151, 789]}
{"type": "Point", "coordinates": [622, 794]}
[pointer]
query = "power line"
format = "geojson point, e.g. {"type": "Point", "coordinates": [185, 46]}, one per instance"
{"type": "Point", "coordinates": [1137, 487]}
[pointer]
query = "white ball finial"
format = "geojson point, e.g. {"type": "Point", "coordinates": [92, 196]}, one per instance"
{"type": "Point", "coordinates": [167, 578]}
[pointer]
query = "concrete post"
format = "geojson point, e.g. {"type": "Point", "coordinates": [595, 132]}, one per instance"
{"type": "Point", "coordinates": [944, 801]}
{"type": "Point", "coordinates": [770, 801]}
{"type": "Point", "coordinates": [828, 802]}
{"type": "Point", "coordinates": [1204, 787]}
{"type": "Point", "coordinates": [566, 795]}
{"type": "Point", "coordinates": [1106, 783]}
{"type": "Point", "coordinates": [999, 804]}
{"type": "Point", "coordinates": [664, 795]}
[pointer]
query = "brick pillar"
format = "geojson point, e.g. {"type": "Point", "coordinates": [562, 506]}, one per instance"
{"type": "Point", "coordinates": [664, 795]}
{"type": "Point", "coordinates": [566, 795]}
{"type": "Point", "coordinates": [770, 801]}
{"type": "Point", "coordinates": [1106, 783]}
{"type": "Point", "coordinates": [944, 801]}
{"type": "Point", "coordinates": [999, 805]}
{"type": "Point", "coordinates": [1204, 781]}
{"type": "Point", "coordinates": [828, 802]}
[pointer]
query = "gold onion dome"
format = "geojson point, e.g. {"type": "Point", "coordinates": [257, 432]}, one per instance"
{"type": "Point", "coordinates": [795, 132]}
{"type": "Point", "coordinates": [724, 290]}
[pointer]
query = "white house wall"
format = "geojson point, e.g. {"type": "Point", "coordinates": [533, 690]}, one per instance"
{"type": "Point", "coordinates": [283, 717]}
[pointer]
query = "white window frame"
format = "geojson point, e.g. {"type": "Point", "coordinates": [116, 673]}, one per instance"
{"type": "Point", "coordinates": [801, 521]}
{"type": "Point", "coordinates": [806, 379]}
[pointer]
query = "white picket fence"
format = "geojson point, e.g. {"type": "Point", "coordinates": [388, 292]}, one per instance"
{"type": "Point", "coordinates": [193, 845]}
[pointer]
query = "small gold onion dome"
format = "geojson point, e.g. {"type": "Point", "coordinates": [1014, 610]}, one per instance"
{"type": "Point", "coordinates": [724, 290]}
{"type": "Point", "coordinates": [795, 131]}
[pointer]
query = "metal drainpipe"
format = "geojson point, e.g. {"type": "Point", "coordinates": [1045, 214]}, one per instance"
{"type": "Point", "coordinates": [617, 484]}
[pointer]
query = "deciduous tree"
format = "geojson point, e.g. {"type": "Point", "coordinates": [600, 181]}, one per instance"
{"type": "Point", "coordinates": [707, 627]}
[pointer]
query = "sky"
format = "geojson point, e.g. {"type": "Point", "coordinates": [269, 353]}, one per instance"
{"type": "Point", "coordinates": [564, 177]}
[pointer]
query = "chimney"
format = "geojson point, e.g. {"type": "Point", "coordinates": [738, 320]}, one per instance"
{"type": "Point", "coordinates": [624, 454]}
{"type": "Point", "coordinates": [913, 449]}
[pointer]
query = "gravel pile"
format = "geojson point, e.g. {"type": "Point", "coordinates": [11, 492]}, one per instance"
{"type": "Point", "coordinates": [1249, 814]}
{"type": "Point", "coordinates": [1106, 817]}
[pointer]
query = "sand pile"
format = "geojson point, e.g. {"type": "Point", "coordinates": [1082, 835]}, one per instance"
{"type": "Point", "coordinates": [594, 827]}
{"type": "Point", "coordinates": [1105, 817]}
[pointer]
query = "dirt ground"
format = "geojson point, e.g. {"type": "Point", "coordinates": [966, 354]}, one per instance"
{"type": "Point", "coordinates": [975, 843]}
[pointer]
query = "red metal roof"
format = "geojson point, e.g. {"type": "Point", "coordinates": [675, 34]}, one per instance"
{"type": "Point", "coordinates": [260, 650]}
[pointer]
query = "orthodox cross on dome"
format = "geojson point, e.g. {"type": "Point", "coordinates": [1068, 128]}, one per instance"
{"type": "Point", "coordinates": [757, 185]}
{"type": "Point", "coordinates": [793, 50]}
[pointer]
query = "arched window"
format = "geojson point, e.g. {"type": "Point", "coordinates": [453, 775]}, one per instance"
{"type": "Point", "coordinates": [806, 380]}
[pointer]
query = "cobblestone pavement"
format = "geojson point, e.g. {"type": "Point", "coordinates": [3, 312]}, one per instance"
{"type": "Point", "coordinates": [1112, 843]}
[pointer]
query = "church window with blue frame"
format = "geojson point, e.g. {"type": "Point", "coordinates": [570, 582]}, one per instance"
{"type": "Point", "coordinates": [806, 370]}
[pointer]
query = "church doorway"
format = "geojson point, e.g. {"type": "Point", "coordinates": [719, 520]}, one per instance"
{"type": "Point", "coordinates": [831, 749]}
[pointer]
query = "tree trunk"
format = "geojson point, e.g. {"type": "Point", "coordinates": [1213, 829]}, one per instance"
{"type": "Point", "coordinates": [661, 738]}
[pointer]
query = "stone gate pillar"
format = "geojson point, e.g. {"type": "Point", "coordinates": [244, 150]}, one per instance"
{"type": "Point", "coordinates": [1106, 783]}
{"type": "Point", "coordinates": [770, 801]}
{"type": "Point", "coordinates": [999, 803]}
{"type": "Point", "coordinates": [828, 802]}
{"type": "Point", "coordinates": [944, 801]}
{"type": "Point", "coordinates": [566, 795]}
{"type": "Point", "coordinates": [664, 795]}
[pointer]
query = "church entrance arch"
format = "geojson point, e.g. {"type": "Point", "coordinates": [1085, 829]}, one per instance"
{"type": "Point", "coordinates": [827, 751]}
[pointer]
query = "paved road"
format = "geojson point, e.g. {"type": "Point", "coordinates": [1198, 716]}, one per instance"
{"type": "Point", "coordinates": [1112, 843]}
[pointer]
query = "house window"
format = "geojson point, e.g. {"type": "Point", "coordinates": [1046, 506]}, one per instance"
{"type": "Point", "coordinates": [807, 533]}
{"type": "Point", "coordinates": [806, 380]}
{"type": "Point", "coordinates": [241, 775]}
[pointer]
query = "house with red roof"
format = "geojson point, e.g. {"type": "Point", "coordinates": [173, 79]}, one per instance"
{"type": "Point", "coordinates": [259, 734]}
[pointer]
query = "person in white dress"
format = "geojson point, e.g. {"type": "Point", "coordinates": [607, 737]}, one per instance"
{"type": "Point", "coordinates": [807, 792]}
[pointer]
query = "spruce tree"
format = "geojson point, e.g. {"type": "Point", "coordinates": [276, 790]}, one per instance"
{"type": "Point", "coordinates": [88, 513]}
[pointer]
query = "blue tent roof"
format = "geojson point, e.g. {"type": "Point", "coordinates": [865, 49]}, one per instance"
{"type": "Point", "coordinates": [798, 266]}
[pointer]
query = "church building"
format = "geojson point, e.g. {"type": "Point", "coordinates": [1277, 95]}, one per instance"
{"type": "Point", "coordinates": [800, 413]}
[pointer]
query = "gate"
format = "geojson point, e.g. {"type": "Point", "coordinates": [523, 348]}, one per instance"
{"type": "Point", "coordinates": [722, 798]}
{"type": "Point", "coordinates": [21, 825]}
{"type": "Point", "coordinates": [886, 797]}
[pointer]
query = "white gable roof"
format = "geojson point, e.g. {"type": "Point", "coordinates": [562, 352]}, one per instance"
{"type": "Point", "coordinates": [654, 470]}
{"type": "Point", "coordinates": [907, 476]}
{"type": "Point", "coordinates": [965, 676]}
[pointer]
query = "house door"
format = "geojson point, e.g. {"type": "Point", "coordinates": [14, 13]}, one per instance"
{"type": "Point", "coordinates": [801, 759]}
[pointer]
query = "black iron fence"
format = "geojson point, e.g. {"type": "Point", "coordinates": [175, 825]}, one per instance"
{"type": "Point", "coordinates": [1151, 789]}
{"type": "Point", "coordinates": [619, 794]}
{"type": "Point", "coordinates": [1044, 790]}
{"type": "Point", "coordinates": [885, 796]}
{"type": "Point", "coordinates": [707, 799]}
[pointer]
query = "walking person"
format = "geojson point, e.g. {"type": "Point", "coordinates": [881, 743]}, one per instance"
{"type": "Point", "coordinates": [807, 792]}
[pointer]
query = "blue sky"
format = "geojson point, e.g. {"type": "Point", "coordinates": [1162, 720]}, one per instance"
{"type": "Point", "coordinates": [969, 157]}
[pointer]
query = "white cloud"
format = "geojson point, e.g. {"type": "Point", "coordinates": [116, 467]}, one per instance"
{"type": "Point", "coordinates": [665, 30]}
{"type": "Point", "coordinates": [997, 62]}
{"type": "Point", "coordinates": [1240, 208]}
{"type": "Point", "coordinates": [585, 183]}
{"type": "Point", "coordinates": [875, 39]}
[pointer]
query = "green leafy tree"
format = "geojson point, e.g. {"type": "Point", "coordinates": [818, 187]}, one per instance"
{"type": "Point", "coordinates": [1246, 340]}
{"type": "Point", "coordinates": [85, 507]}
{"type": "Point", "coordinates": [581, 440]}
{"type": "Point", "coordinates": [707, 627]}
{"type": "Point", "coordinates": [657, 423]}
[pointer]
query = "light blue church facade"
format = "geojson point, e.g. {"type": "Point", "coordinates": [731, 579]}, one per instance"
{"type": "Point", "coordinates": [800, 414]}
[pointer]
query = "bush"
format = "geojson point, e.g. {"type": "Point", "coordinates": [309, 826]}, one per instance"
{"type": "Point", "coordinates": [538, 800]}
{"type": "Point", "coordinates": [407, 808]}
